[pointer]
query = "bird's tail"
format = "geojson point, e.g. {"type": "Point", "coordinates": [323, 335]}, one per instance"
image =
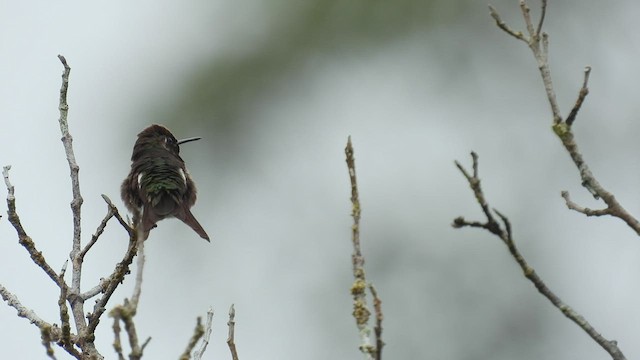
{"type": "Point", "coordinates": [187, 217]}
{"type": "Point", "coordinates": [147, 222]}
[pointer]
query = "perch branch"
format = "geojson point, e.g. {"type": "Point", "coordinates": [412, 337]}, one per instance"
{"type": "Point", "coordinates": [80, 345]}
{"type": "Point", "coordinates": [127, 311]}
{"type": "Point", "coordinates": [504, 232]}
{"type": "Point", "coordinates": [112, 282]}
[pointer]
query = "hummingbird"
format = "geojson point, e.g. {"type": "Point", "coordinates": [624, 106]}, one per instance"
{"type": "Point", "coordinates": [159, 185]}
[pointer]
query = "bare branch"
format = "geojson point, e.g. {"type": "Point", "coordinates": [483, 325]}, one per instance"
{"type": "Point", "coordinates": [45, 336]}
{"type": "Point", "coordinates": [543, 12]}
{"type": "Point", "coordinates": [474, 183]}
{"type": "Point", "coordinates": [589, 182]}
{"type": "Point", "coordinates": [540, 53]}
{"type": "Point", "coordinates": [526, 13]}
{"type": "Point", "coordinates": [66, 342]}
{"type": "Point", "coordinates": [67, 141]}
{"type": "Point", "coordinates": [377, 306]}
{"type": "Point", "coordinates": [198, 332]}
{"type": "Point", "coordinates": [589, 212]}
{"type": "Point", "coordinates": [100, 288]}
{"type": "Point", "coordinates": [127, 311]}
{"type": "Point", "coordinates": [197, 355]}
{"type": "Point", "coordinates": [12, 300]}
{"type": "Point", "coordinates": [502, 25]}
{"type": "Point", "coordinates": [137, 289]}
{"type": "Point", "coordinates": [112, 282]}
{"type": "Point", "coordinates": [584, 91]}
{"type": "Point", "coordinates": [117, 215]}
{"type": "Point", "coordinates": [117, 343]}
{"type": "Point", "coordinates": [563, 128]}
{"type": "Point", "coordinates": [76, 202]}
{"type": "Point", "coordinates": [231, 342]}
{"type": "Point", "coordinates": [506, 235]}
{"type": "Point", "coordinates": [96, 235]}
{"type": "Point", "coordinates": [23, 238]}
{"type": "Point", "coordinates": [77, 305]}
{"type": "Point", "coordinates": [81, 345]}
{"type": "Point", "coordinates": [361, 311]}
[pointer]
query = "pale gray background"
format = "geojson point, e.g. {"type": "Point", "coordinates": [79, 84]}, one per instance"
{"type": "Point", "coordinates": [275, 88]}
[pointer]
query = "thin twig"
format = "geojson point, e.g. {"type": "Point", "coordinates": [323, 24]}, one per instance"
{"type": "Point", "coordinates": [474, 182]}
{"type": "Point", "coordinates": [96, 235]}
{"type": "Point", "coordinates": [231, 341]}
{"type": "Point", "coordinates": [55, 334]}
{"type": "Point", "coordinates": [502, 25]}
{"type": "Point", "coordinates": [377, 307]}
{"type": "Point", "coordinates": [100, 288]}
{"type": "Point", "coordinates": [112, 282]}
{"type": "Point", "coordinates": [127, 311]}
{"type": "Point", "coordinates": [535, 40]}
{"type": "Point", "coordinates": [584, 91]}
{"type": "Point", "coordinates": [118, 217]}
{"type": "Point", "coordinates": [361, 311]}
{"type": "Point", "coordinates": [137, 288]}
{"type": "Point", "coordinates": [67, 344]}
{"type": "Point", "coordinates": [67, 141]}
{"type": "Point", "coordinates": [526, 13]}
{"type": "Point", "coordinates": [23, 238]}
{"type": "Point", "coordinates": [76, 202]}
{"type": "Point", "coordinates": [589, 212]}
{"type": "Point", "coordinates": [589, 182]}
{"type": "Point", "coordinates": [197, 354]}
{"type": "Point", "coordinates": [46, 342]}
{"type": "Point", "coordinates": [130, 328]}
{"type": "Point", "coordinates": [117, 343]}
{"type": "Point", "coordinates": [198, 332]}
{"type": "Point", "coordinates": [506, 235]}
{"type": "Point", "coordinates": [543, 13]}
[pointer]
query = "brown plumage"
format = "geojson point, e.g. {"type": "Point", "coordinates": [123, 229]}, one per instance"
{"type": "Point", "coordinates": [159, 185]}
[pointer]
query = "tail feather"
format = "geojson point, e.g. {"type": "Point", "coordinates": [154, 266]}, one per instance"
{"type": "Point", "coordinates": [148, 222]}
{"type": "Point", "coordinates": [187, 217]}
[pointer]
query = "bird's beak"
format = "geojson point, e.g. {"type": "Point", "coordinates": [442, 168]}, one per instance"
{"type": "Point", "coordinates": [180, 142]}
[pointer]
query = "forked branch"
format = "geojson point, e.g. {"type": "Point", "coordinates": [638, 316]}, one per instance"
{"type": "Point", "coordinates": [504, 231]}
{"type": "Point", "coordinates": [538, 42]}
